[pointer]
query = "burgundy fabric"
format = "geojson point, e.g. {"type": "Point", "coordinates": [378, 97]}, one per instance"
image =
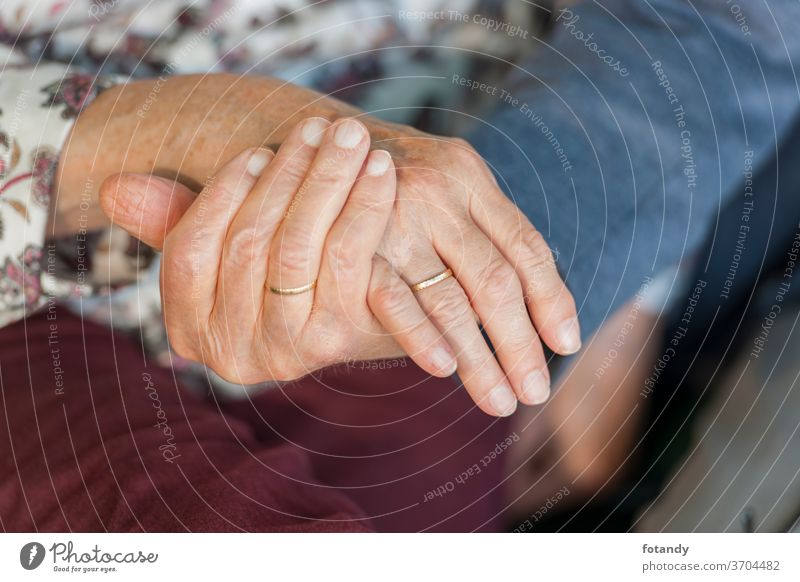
{"type": "Point", "coordinates": [95, 438]}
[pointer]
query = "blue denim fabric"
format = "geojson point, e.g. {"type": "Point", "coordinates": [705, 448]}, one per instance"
{"type": "Point", "coordinates": [643, 180]}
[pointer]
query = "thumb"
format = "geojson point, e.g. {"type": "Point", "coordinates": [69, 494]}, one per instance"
{"type": "Point", "coordinates": [147, 207]}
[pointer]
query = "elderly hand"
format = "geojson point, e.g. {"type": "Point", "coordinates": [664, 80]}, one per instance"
{"type": "Point", "coordinates": [266, 274]}
{"type": "Point", "coordinates": [449, 212]}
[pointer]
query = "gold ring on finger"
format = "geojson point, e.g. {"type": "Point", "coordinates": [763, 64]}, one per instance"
{"type": "Point", "coordinates": [294, 290]}
{"type": "Point", "coordinates": [446, 274]}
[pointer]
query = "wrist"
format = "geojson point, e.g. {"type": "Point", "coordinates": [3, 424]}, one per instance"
{"type": "Point", "coordinates": [184, 128]}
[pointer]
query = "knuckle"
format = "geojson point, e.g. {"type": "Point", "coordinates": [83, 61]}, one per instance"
{"type": "Point", "coordinates": [328, 176]}
{"type": "Point", "coordinates": [421, 182]}
{"type": "Point", "coordinates": [389, 296]}
{"type": "Point", "coordinates": [540, 256]}
{"type": "Point", "coordinates": [292, 168]}
{"type": "Point", "coordinates": [538, 264]}
{"type": "Point", "coordinates": [517, 348]}
{"type": "Point", "coordinates": [364, 202]}
{"type": "Point", "coordinates": [252, 370]}
{"type": "Point", "coordinates": [292, 254]}
{"type": "Point", "coordinates": [452, 309]}
{"type": "Point", "coordinates": [230, 363]}
{"type": "Point", "coordinates": [463, 153]}
{"type": "Point", "coordinates": [547, 291]}
{"type": "Point", "coordinates": [499, 282]}
{"type": "Point", "coordinates": [340, 256]}
{"type": "Point", "coordinates": [463, 226]}
{"type": "Point", "coordinates": [241, 247]}
{"type": "Point", "coordinates": [477, 357]}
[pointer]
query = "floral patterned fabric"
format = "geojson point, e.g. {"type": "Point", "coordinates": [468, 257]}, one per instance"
{"type": "Point", "coordinates": [37, 107]}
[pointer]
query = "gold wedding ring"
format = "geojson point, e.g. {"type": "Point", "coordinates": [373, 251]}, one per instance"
{"type": "Point", "coordinates": [293, 290]}
{"type": "Point", "coordinates": [446, 274]}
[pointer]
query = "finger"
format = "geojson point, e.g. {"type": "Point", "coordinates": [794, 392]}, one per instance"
{"type": "Point", "coordinates": [549, 302]}
{"type": "Point", "coordinates": [296, 250]}
{"type": "Point", "coordinates": [397, 310]}
{"type": "Point", "coordinates": [190, 263]}
{"type": "Point", "coordinates": [354, 238]}
{"type": "Point", "coordinates": [447, 305]}
{"type": "Point", "coordinates": [147, 207]}
{"type": "Point", "coordinates": [495, 294]}
{"type": "Point", "coordinates": [244, 258]}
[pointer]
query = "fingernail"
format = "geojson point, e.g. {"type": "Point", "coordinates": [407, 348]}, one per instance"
{"type": "Point", "coordinates": [503, 400]}
{"type": "Point", "coordinates": [569, 336]}
{"type": "Point", "coordinates": [258, 161]}
{"type": "Point", "coordinates": [444, 361]}
{"type": "Point", "coordinates": [536, 388]}
{"type": "Point", "coordinates": [313, 130]}
{"type": "Point", "coordinates": [349, 134]}
{"type": "Point", "coordinates": [378, 163]}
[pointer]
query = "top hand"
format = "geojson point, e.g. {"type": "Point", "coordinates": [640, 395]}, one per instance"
{"type": "Point", "coordinates": [448, 211]}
